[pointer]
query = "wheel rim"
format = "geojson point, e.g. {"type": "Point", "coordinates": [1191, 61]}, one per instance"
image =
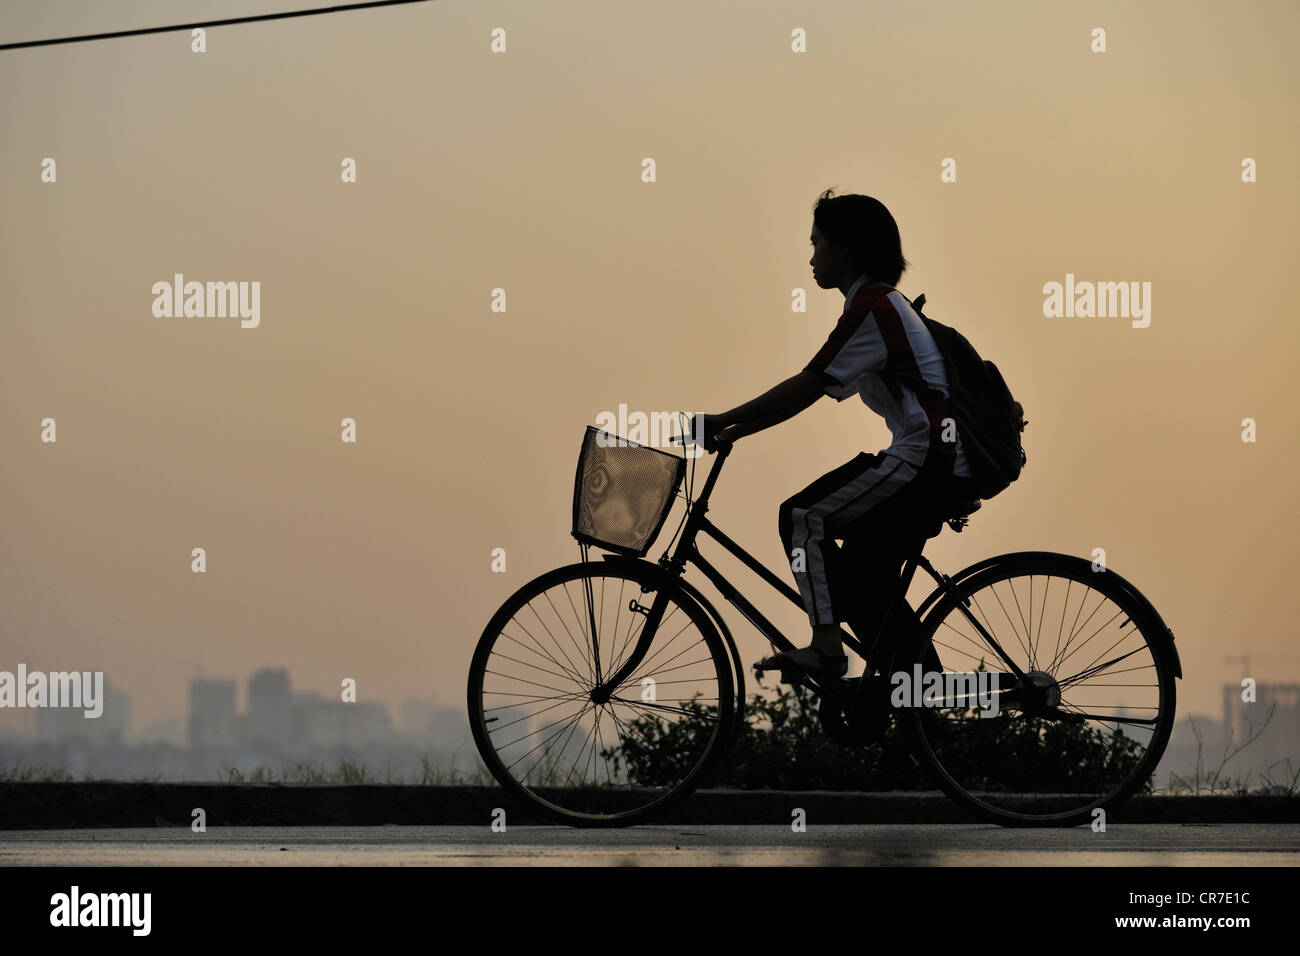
{"type": "Point", "coordinates": [583, 752]}
{"type": "Point", "coordinates": [1084, 727]}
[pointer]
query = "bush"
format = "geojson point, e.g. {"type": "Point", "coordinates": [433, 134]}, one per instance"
{"type": "Point", "coordinates": [783, 745]}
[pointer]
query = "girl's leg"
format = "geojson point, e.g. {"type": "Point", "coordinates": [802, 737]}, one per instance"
{"type": "Point", "coordinates": [836, 501]}
{"type": "Point", "coordinates": [879, 504]}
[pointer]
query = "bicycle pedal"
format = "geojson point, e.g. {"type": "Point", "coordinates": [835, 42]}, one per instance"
{"type": "Point", "coordinates": [788, 676]}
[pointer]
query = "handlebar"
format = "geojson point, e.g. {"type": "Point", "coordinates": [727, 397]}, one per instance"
{"type": "Point", "coordinates": [718, 442]}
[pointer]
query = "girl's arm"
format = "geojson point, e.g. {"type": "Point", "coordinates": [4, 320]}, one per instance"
{"type": "Point", "coordinates": [782, 401]}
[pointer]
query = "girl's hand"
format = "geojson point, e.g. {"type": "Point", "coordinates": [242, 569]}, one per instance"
{"type": "Point", "coordinates": [714, 429]}
{"type": "Point", "coordinates": [704, 430]}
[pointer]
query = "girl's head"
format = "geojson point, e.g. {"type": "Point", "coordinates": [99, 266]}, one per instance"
{"type": "Point", "coordinates": [851, 235]}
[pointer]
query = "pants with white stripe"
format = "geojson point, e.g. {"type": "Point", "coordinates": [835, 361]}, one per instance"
{"type": "Point", "coordinates": [882, 503]}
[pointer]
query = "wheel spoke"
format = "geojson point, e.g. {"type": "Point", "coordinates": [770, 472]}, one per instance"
{"type": "Point", "coordinates": [1085, 674]}
{"type": "Point", "coordinates": [580, 752]}
{"type": "Point", "coordinates": [646, 705]}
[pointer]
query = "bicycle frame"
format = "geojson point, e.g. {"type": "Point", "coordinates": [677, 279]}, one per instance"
{"type": "Point", "coordinates": [686, 552]}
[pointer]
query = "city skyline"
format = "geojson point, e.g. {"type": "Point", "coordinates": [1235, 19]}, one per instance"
{"type": "Point", "coordinates": [22, 723]}
{"type": "Point", "coordinates": [260, 735]}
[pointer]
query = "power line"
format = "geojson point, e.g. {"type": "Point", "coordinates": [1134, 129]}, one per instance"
{"type": "Point", "coordinates": [210, 23]}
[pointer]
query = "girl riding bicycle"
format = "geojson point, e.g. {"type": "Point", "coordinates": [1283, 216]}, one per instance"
{"type": "Point", "coordinates": [880, 350]}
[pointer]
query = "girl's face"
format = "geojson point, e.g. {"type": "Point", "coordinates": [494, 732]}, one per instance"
{"type": "Point", "coordinates": [828, 261]}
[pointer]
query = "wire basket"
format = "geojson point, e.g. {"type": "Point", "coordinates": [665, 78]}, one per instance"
{"type": "Point", "coordinates": [622, 492]}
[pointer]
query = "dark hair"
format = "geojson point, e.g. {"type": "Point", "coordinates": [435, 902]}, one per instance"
{"type": "Point", "coordinates": [863, 227]}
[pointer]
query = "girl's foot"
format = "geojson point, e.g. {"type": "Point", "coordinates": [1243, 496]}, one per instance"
{"type": "Point", "coordinates": [810, 660]}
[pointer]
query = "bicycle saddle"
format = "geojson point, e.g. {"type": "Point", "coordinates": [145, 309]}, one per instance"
{"type": "Point", "coordinates": [954, 513]}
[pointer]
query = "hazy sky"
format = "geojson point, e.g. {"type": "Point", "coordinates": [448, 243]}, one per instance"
{"type": "Point", "coordinates": [523, 171]}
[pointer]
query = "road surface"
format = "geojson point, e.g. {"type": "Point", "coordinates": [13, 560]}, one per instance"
{"type": "Point", "coordinates": [837, 845]}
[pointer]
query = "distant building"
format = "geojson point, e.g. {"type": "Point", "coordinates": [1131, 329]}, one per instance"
{"type": "Point", "coordinates": [451, 727]}
{"type": "Point", "coordinates": [415, 717]}
{"type": "Point", "coordinates": [213, 722]}
{"type": "Point", "coordinates": [270, 720]}
{"type": "Point", "coordinates": [1193, 739]}
{"type": "Point", "coordinates": [328, 722]}
{"type": "Point", "coordinates": [170, 730]}
{"type": "Point", "coordinates": [56, 724]}
{"type": "Point", "coordinates": [1280, 740]}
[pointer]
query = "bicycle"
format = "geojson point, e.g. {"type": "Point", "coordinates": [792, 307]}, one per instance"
{"type": "Point", "coordinates": [597, 726]}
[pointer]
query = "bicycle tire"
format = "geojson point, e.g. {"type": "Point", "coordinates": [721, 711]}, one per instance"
{"type": "Point", "coordinates": [666, 746]}
{"type": "Point", "coordinates": [1028, 767]}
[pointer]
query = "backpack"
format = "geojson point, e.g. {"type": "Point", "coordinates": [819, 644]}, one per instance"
{"type": "Point", "coordinates": [988, 419]}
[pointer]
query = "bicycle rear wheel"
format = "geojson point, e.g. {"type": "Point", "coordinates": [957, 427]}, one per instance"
{"type": "Point", "coordinates": [1085, 725]}
{"type": "Point", "coordinates": [586, 756]}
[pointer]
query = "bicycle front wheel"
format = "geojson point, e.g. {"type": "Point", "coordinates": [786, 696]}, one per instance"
{"type": "Point", "coordinates": [553, 732]}
{"type": "Point", "coordinates": [1083, 724]}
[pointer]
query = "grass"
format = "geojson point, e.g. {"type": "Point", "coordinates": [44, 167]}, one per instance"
{"type": "Point", "coordinates": [345, 772]}
{"type": "Point", "coordinates": [351, 772]}
{"type": "Point", "coordinates": [22, 772]}
{"type": "Point", "coordinates": [1279, 779]}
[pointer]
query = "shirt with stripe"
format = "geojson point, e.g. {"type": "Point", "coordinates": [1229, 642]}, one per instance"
{"type": "Point", "coordinates": [881, 350]}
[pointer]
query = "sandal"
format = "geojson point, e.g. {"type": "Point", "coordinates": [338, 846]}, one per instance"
{"type": "Point", "coordinates": [828, 665]}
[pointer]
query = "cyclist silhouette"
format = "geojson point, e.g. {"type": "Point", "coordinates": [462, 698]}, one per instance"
{"type": "Point", "coordinates": [880, 350]}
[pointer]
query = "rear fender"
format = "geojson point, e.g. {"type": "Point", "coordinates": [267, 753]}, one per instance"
{"type": "Point", "coordinates": [1083, 565]}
